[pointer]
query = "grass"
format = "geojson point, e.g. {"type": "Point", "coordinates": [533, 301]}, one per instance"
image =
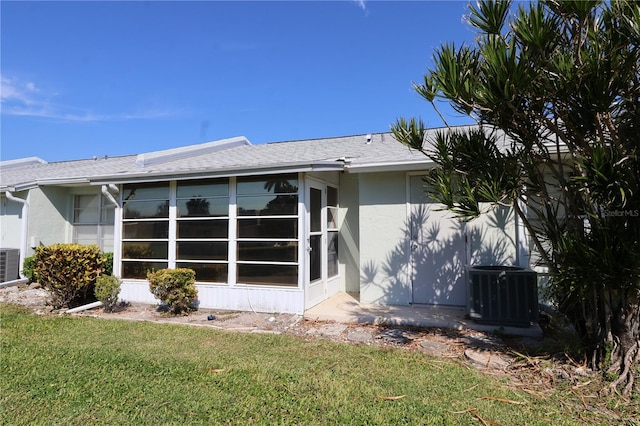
{"type": "Point", "coordinates": [72, 370]}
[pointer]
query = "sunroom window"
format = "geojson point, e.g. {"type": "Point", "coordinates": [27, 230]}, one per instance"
{"type": "Point", "coordinates": [267, 230]}
{"type": "Point", "coordinates": [202, 229]}
{"type": "Point", "coordinates": [93, 218]}
{"type": "Point", "coordinates": [145, 228]}
{"type": "Point", "coordinates": [186, 224]}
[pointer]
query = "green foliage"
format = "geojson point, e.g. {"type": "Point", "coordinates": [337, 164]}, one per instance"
{"type": "Point", "coordinates": [107, 290]}
{"type": "Point", "coordinates": [108, 263]}
{"type": "Point", "coordinates": [174, 287]}
{"type": "Point", "coordinates": [28, 269]}
{"type": "Point", "coordinates": [68, 272]}
{"type": "Point", "coordinates": [553, 87]}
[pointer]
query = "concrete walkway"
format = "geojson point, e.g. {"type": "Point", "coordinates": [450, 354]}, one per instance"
{"type": "Point", "coordinates": [345, 308]}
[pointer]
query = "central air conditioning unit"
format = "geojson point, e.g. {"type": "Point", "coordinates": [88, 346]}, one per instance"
{"type": "Point", "coordinates": [502, 295]}
{"type": "Point", "coordinates": [9, 264]}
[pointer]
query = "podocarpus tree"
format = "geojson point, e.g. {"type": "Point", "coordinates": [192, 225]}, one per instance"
{"type": "Point", "coordinates": [554, 87]}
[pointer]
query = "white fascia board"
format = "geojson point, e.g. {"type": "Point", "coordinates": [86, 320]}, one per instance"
{"type": "Point", "coordinates": [25, 186]}
{"type": "Point", "coordinates": [403, 166]}
{"type": "Point", "coordinates": [61, 181]}
{"type": "Point", "coordinates": [159, 157]}
{"type": "Point", "coordinates": [329, 166]}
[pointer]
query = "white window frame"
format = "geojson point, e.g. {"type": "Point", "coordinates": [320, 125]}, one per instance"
{"type": "Point", "coordinates": [232, 238]}
{"type": "Point", "coordinates": [101, 224]}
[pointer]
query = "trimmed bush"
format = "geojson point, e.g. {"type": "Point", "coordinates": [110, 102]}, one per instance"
{"type": "Point", "coordinates": [68, 272]}
{"type": "Point", "coordinates": [107, 290]}
{"type": "Point", "coordinates": [28, 269]}
{"type": "Point", "coordinates": [174, 287]}
{"type": "Point", "coordinates": [107, 269]}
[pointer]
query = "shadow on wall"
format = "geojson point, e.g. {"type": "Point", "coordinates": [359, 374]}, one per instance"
{"type": "Point", "coordinates": [427, 266]}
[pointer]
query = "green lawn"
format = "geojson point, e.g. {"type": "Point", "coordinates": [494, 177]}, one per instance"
{"type": "Point", "coordinates": [71, 370]}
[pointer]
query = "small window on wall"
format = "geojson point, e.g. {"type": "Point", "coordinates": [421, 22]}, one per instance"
{"type": "Point", "coordinates": [332, 231]}
{"type": "Point", "coordinates": [93, 218]}
{"type": "Point", "coordinates": [267, 227]}
{"type": "Point", "coordinates": [145, 228]}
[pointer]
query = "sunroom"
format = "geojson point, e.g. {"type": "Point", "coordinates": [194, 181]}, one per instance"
{"type": "Point", "coordinates": [265, 243]}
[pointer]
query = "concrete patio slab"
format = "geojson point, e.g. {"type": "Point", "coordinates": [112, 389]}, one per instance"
{"type": "Point", "coordinates": [345, 308]}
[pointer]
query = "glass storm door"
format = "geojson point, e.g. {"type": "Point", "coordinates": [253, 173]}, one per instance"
{"type": "Point", "coordinates": [316, 290]}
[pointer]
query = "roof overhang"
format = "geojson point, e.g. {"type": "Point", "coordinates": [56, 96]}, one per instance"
{"type": "Point", "coordinates": [155, 176]}
{"type": "Point", "coordinates": [398, 166]}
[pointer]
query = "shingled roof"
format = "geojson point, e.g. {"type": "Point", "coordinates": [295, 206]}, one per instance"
{"type": "Point", "coordinates": [228, 157]}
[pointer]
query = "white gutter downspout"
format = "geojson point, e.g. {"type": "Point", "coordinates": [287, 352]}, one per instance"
{"type": "Point", "coordinates": [117, 230]}
{"type": "Point", "coordinates": [24, 226]}
{"type": "Point", "coordinates": [110, 196]}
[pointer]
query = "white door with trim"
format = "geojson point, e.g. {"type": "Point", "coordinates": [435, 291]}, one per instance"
{"type": "Point", "coordinates": [438, 251]}
{"type": "Point", "coordinates": [322, 239]}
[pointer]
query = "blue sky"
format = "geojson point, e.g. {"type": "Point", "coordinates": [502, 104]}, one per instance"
{"type": "Point", "coordinates": [84, 79]}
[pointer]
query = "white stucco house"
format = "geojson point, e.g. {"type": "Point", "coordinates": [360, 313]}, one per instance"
{"type": "Point", "coordinates": [276, 227]}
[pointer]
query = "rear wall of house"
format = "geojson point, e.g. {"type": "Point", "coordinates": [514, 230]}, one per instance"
{"type": "Point", "coordinates": [385, 238]}
{"type": "Point", "coordinates": [349, 242]}
{"type": "Point", "coordinates": [384, 266]}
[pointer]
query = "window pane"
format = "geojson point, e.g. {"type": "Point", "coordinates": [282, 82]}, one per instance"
{"type": "Point", "coordinates": [86, 201]}
{"type": "Point", "coordinates": [203, 189]}
{"type": "Point", "coordinates": [145, 230]}
{"type": "Point", "coordinates": [202, 250]}
{"type": "Point", "coordinates": [198, 207]}
{"type": "Point", "coordinates": [140, 269]}
{"type": "Point", "coordinates": [207, 272]}
{"type": "Point", "coordinates": [107, 238]}
{"type": "Point", "coordinates": [315, 256]}
{"type": "Point", "coordinates": [145, 250]}
{"type": "Point", "coordinates": [203, 229]}
{"type": "Point", "coordinates": [332, 217]}
{"type": "Point", "coordinates": [283, 275]}
{"type": "Point", "coordinates": [86, 209]}
{"type": "Point", "coordinates": [85, 234]}
{"type": "Point", "coordinates": [268, 205]}
{"type": "Point", "coordinates": [287, 184]}
{"type": "Point", "coordinates": [146, 209]}
{"type": "Point", "coordinates": [315, 210]}
{"type": "Point", "coordinates": [108, 213]}
{"type": "Point", "coordinates": [268, 251]}
{"type": "Point", "coordinates": [146, 191]}
{"type": "Point", "coordinates": [332, 254]}
{"type": "Point", "coordinates": [268, 228]}
{"type": "Point", "coordinates": [332, 196]}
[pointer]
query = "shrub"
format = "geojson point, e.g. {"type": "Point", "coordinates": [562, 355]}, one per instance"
{"type": "Point", "coordinates": [107, 269]}
{"type": "Point", "coordinates": [28, 269]}
{"type": "Point", "coordinates": [174, 287]}
{"type": "Point", "coordinates": [107, 290]}
{"type": "Point", "coordinates": [68, 272]}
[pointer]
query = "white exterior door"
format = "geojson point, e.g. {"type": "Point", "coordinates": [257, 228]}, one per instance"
{"type": "Point", "coordinates": [316, 281]}
{"type": "Point", "coordinates": [322, 280]}
{"type": "Point", "coordinates": [438, 251]}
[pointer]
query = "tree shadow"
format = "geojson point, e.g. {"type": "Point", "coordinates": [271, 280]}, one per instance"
{"type": "Point", "coordinates": [428, 264]}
